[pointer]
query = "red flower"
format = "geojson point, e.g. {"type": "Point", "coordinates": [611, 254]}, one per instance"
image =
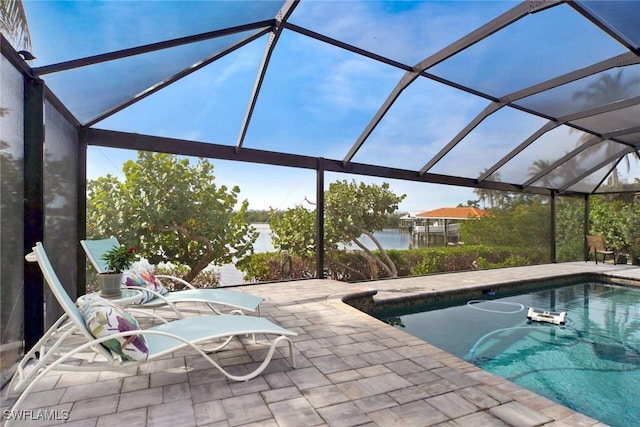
{"type": "Point", "coordinates": [131, 250]}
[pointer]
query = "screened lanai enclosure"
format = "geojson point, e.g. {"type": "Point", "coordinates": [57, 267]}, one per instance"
{"type": "Point", "coordinates": [539, 98]}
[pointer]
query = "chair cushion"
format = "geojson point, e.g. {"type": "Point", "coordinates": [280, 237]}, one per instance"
{"type": "Point", "coordinates": [104, 318]}
{"type": "Point", "coordinates": [144, 280]}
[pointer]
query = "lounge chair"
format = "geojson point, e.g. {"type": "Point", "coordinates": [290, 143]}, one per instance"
{"type": "Point", "coordinates": [597, 244]}
{"type": "Point", "coordinates": [240, 301]}
{"type": "Point", "coordinates": [49, 354]}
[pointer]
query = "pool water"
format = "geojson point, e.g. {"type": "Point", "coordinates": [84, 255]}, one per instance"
{"type": "Point", "coordinates": [591, 364]}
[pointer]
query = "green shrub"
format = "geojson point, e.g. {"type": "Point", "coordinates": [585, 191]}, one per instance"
{"type": "Point", "coordinates": [460, 258]}
{"type": "Point", "coordinates": [351, 266]}
{"type": "Point", "coordinates": [260, 267]}
{"type": "Point", "coordinates": [405, 260]}
{"type": "Point", "coordinates": [265, 267]}
{"type": "Point", "coordinates": [509, 261]}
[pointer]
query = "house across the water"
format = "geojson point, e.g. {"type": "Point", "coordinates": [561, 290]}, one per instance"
{"type": "Point", "coordinates": [430, 228]}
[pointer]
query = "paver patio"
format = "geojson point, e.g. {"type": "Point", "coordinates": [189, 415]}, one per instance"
{"type": "Point", "coordinates": [352, 369]}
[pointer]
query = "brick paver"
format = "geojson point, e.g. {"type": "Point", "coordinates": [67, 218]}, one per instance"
{"type": "Point", "coordinates": [351, 369]}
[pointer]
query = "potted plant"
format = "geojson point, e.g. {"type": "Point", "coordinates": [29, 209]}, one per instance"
{"type": "Point", "coordinates": [118, 260]}
{"type": "Point", "coordinates": [634, 251]}
{"type": "Point", "coordinates": [621, 258]}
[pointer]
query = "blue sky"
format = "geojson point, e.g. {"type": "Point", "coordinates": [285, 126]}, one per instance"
{"type": "Point", "coordinates": [316, 99]}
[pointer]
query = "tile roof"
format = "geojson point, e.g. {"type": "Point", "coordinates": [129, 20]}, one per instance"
{"type": "Point", "coordinates": [453, 213]}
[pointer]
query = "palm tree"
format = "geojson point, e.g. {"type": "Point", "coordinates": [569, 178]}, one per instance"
{"type": "Point", "coordinates": [539, 166]}
{"type": "Point", "coordinates": [605, 90]}
{"type": "Point", "coordinates": [565, 174]}
{"type": "Point", "coordinates": [482, 196]}
{"type": "Point", "coordinates": [608, 88]}
{"type": "Point", "coordinates": [13, 24]}
{"type": "Point", "coordinates": [494, 197]}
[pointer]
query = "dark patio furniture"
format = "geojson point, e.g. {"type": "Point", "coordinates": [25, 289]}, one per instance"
{"type": "Point", "coordinates": [597, 244]}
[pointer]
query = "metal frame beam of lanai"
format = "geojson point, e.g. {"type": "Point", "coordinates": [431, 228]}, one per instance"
{"type": "Point", "coordinates": [320, 220]}
{"type": "Point", "coordinates": [125, 53]}
{"type": "Point", "coordinates": [557, 122]}
{"type": "Point", "coordinates": [591, 142]}
{"type": "Point", "coordinates": [261, 27]}
{"type": "Point", "coordinates": [33, 207]}
{"type": "Point", "coordinates": [491, 27]}
{"type": "Point", "coordinates": [184, 73]}
{"type": "Point", "coordinates": [276, 31]}
{"type": "Point", "coordinates": [614, 62]}
{"type": "Point", "coordinates": [134, 141]}
{"type": "Point", "coordinates": [614, 159]}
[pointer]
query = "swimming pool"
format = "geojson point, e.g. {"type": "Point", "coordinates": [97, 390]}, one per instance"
{"type": "Point", "coordinates": [591, 364]}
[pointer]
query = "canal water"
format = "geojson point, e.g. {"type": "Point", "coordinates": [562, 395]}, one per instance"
{"type": "Point", "coordinates": [392, 238]}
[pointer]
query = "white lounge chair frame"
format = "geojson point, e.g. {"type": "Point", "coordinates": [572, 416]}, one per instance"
{"type": "Point", "coordinates": [241, 302]}
{"type": "Point", "coordinates": [161, 340]}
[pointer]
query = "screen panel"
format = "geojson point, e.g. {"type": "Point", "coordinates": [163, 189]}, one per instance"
{"type": "Point", "coordinates": [60, 203]}
{"type": "Point", "coordinates": [11, 216]}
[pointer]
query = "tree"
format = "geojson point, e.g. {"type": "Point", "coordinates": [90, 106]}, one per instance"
{"type": "Point", "coordinates": [569, 228]}
{"type": "Point", "coordinates": [352, 210]}
{"type": "Point", "coordinates": [521, 221]}
{"type": "Point", "coordinates": [616, 219]}
{"type": "Point", "coordinates": [493, 196]}
{"type": "Point", "coordinates": [295, 230]}
{"type": "Point", "coordinates": [171, 211]}
{"type": "Point", "coordinates": [539, 166]}
{"type": "Point", "coordinates": [355, 209]}
{"type": "Point", "coordinates": [606, 89]}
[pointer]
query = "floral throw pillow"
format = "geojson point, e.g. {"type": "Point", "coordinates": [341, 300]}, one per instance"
{"type": "Point", "coordinates": [144, 280]}
{"type": "Point", "coordinates": [104, 318]}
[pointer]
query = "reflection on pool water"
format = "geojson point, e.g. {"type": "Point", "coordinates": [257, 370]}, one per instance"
{"type": "Point", "coordinates": [591, 364]}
